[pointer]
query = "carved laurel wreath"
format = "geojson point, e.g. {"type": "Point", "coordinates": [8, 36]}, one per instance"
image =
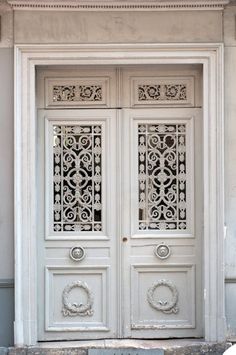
{"type": "Point", "coordinates": [163, 306]}
{"type": "Point", "coordinates": [75, 309]}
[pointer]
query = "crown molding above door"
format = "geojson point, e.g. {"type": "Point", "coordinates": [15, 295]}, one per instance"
{"type": "Point", "coordinates": [119, 5]}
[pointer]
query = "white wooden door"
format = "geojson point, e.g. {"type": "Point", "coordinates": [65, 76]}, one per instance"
{"type": "Point", "coordinates": [162, 223]}
{"type": "Point", "coordinates": [120, 221]}
{"type": "Point", "coordinates": [77, 269]}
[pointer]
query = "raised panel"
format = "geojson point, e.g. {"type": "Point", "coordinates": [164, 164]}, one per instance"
{"type": "Point", "coordinates": [77, 299]}
{"type": "Point", "coordinates": [162, 297]}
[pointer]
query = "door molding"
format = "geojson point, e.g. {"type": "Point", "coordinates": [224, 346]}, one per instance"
{"type": "Point", "coordinates": [27, 58]}
{"type": "Point", "coordinates": [117, 5]}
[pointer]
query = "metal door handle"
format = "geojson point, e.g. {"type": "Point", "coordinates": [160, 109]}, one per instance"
{"type": "Point", "coordinates": [77, 253]}
{"type": "Point", "coordinates": [162, 251]}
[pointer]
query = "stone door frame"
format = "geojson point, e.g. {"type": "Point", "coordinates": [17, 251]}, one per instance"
{"type": "Point", "coordinates": [27, 58]}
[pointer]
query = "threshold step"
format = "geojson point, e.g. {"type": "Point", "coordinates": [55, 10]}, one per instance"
{"type": "Point", "coordinates": [124, 347]}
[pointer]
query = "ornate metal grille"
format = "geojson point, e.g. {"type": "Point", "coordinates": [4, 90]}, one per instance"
{"type": "Point", "coordinates": [77, 180]}
{"type": "Point", "coordinates": [77, 93]}
{"type": "Point", "coordinates": [162, 92]}
{"type": "Point", "coordinates": [162, 176]}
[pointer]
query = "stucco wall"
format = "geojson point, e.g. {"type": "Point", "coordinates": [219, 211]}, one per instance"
{"type": "Point", "coordinates": [75, 27]}
{"type": "Point", "coordinates": [116, 27]}
{"type": "Point", "coordinates": [6, 158]}
{"type": "Point", "coordinates": [6, 178]}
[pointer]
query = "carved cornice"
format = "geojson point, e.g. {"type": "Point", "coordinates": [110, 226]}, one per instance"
{"type": "Point", "coordinates": [120, 5]}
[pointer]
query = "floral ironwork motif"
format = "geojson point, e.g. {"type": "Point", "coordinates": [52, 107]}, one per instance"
{"type": "Point", "coordinates": [77, 180]}
{"type": "Point", "coordinates": [162, 92]}
{"type": "Point", "coordinates": [77, 93]}
{"type": "Point", "coordinates": [77, 309]}
{"type": "Point", "coordinates": [163, 306]}
{"type": "Point", "coordinates": [149, 92]}
{"type": "Point", "coordinates": [162, 176]}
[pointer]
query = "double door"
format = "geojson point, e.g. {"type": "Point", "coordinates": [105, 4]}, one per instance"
{"type": "Point", "coordinates": [119, 223]}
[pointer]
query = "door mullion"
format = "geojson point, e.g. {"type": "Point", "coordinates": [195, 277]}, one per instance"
{"type": "Point", "coordinates": [126, 218]}
{"type": "Point", "coordinates": [119, 202]}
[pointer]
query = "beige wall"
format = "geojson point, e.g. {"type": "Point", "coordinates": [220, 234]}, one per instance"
{"type": "Point", "coordinates": [116, 27]}
{"type": "Point", "coordinates": [6, 33]}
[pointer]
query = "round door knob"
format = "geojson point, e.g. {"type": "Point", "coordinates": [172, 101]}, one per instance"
{"type": "Point", "coordinates": [77, 253]}
{"type": "Point", "coordinates": [162, 251]}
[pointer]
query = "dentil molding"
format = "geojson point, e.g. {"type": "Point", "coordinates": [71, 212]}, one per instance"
{"type": "Point", "coordinates": [120, 5]}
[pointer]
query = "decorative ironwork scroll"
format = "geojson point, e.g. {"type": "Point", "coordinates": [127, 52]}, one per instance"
{"type": "Point", "coordinates": [162, 92]}
{"type": "Point", "coordinates": [77, 93]}
{"type": "Point", "coordinates": [77, 180]}
{"type": "Point", "coordinates": [162, 176]}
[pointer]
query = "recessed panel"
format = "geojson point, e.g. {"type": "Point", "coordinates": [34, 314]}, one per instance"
{"type": "Point", "coordinates": [162, 297]}
{"type": "Point", "coordinates": [76, 92]}
{"type": "Point", "coordinates": [162, 91]}
{"type": "Point", "coordinates": [77, 299]}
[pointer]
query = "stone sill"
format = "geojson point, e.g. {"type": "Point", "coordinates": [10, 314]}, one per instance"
{"type": "Point", "coordinates": [169, 347]}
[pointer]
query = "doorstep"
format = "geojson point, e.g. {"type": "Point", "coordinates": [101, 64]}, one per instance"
{"type": "Point", "coordinates": [124, 347]}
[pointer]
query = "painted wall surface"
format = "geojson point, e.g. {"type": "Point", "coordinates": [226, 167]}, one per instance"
{"type": "Point", "coordinates": [91, 27]}
{"type": "Point", "coordinates": [117, 27]}
{"type": "Point", "coordinates": [6, 158]}
{"type": "Point", "coordinates": [6, 17]}
{"type": "Point", "coordinates": [6, 177]}
{"type": "Point", "coordinates": [6, 312]}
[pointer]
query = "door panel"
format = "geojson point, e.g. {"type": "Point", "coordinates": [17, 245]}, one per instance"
{"type": "Point", "coordinates": [89, 285]}
{"type": "Point", "coordinates": [112, 180]}
{"type": "Point", "coordinates": [175, 283]}
{"type": "Point", "coordinates": [163, 193]}
{"type": "Point", "coordinates": [77, 224]}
